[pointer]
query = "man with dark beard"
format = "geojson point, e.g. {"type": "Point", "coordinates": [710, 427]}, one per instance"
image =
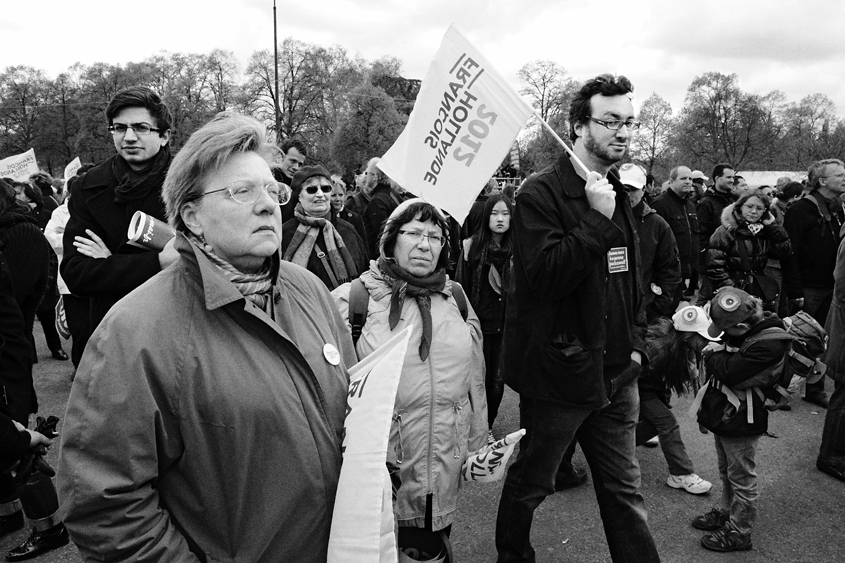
{"type": "Point", "coordinates": [575, 326]}
{"type": "Point", "coordinates": [98, 261]}
{"type": "Point", "coordinates": [675, 207]}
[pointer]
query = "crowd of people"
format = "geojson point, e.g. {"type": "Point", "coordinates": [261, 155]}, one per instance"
{"type": "Point", "coordinates": [211, 374]}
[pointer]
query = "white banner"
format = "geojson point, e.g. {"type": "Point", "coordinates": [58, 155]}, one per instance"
{"type": "Point", "coordinates": [19, 167]}
{"type": "Point", "coordinates": [362, 523]}
{"type": "Point", "coordinates": [70, 169]}
{"type": "Point", "coordinates": [462, 126]}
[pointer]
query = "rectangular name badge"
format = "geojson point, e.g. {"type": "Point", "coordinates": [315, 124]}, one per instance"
{"type": "Point", "coordinates": [617, 260]}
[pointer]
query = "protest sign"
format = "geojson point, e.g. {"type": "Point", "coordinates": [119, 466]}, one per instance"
{"type": "Point", "coordinates": [19, 167]}
{"type": "Point", "coordinates": [362, 523]}
{"type": "Point", "coordinates": [70, 169]}
{"type": "Point", "coordinates": [488, 464]}
{"type": "Point", "coordinates": [462, 126]}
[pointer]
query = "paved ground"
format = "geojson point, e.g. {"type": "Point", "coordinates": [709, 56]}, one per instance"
{"type": "Point", "coordinates": [801, 519]}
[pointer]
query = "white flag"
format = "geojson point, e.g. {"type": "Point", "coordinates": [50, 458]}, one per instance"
{"type": "Point", "coordinates": [362, 523]}
{"type": "Point", "coordinates": [70, 169]}
{"type": "Point", "coordinates": [462, 126]}
{"type": "Point", "coordinates": [19, 167]}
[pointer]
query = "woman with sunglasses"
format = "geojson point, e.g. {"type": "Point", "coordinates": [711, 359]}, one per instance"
{"type": "Point", "coordinates": [205, 420]}
{"type": "Point", "coordinates": [316, 238]}
{"type": "Point", "coordinates": [440, 412]}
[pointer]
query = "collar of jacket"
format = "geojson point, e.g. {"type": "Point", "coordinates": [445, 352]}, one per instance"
{"type": "Point", "coordinates": [100, 176]}
{"type": "Point", "coordinates": [217, 290]}
{"type": "Point", "coordinates": [642, 209]}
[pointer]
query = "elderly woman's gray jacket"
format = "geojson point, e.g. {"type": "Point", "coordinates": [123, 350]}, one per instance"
{"type": "Point", "coordinates": [199, 429]}
{"type": "Point", "coordinates": [440, 413]}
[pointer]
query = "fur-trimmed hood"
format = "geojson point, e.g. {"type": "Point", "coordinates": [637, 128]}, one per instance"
{"type": "Point", "coordinates": [733, 220]}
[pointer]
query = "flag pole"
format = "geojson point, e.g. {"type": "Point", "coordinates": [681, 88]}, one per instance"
{"type": "Point", "coordinates": [574, 158]}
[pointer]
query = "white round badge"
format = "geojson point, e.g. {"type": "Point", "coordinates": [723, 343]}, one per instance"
{"type": "Point", "coordinates": [331, 354]}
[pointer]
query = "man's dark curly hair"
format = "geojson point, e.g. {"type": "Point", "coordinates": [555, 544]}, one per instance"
{"type": "Point", "coordinates": [580, 110]}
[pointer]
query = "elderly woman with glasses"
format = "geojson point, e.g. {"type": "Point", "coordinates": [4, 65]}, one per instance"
{"type": "Point", "coordinates": [440, 413]}
{"type": "Point", "coordinates": [206, 417]}
{"type": "Point", "coordinates": [316, 238]}
{"type": "Point", "coordinates": [742, 245]}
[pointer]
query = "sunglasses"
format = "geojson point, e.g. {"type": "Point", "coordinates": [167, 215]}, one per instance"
{"type": "Point", "coordinates": [311, 190]}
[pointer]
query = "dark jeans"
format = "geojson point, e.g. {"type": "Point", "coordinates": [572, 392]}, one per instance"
{"type": "Point", "coordinates": [493, 382]}
{"type": "Point", "coordinates": [832, 450]}
{"type": "Point", "coordinates": [657, 418]}
{"type": "Point", "coordinates": [607, 440]}
{"type": "Point", "coordinates": [78, 321]}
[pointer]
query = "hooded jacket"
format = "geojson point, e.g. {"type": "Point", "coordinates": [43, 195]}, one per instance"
{"type": "Point", "coordinates": [661, 266]}
{"type": "Point", "coordinates": [440, 414]}
{"type": "Point", "coordinates": [732, 369]}
{"type": "Point", "coordinates": [724, 261]}
{"type": "Point", "coordinates": [198, 429]}
{"type": "Point", "coordinates": [28, 256]}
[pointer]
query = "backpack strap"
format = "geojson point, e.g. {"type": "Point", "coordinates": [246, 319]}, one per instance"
{"type": "Point", "coordinates": [359, 302]}
{"type": "Point", "coordinates": [460, 299]}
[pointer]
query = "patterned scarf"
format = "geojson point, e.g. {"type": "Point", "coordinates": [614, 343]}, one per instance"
{"type": "Point", "coordinates": [305, 239]}
{"type": "Point", "coordinates": [403, 283]}
{"type": "Point", "coordinates": [257, 287]}
{"type": "Point", "coordinates": [499, 259]}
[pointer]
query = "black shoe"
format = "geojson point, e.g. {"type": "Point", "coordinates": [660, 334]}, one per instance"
{"type": "Point", "coordinates": [40, 542]}
{"type": "Point", "coordinates": [711, 521]}
{"type": "Point", "coordinates": [11, 523]}
{"type": "Point", "coordinates": [574, 479]}
{"type": "Point", "coordinates": [831, 470]}
{"type": "Point", "coordinates": [59, 354]}
{"type": "Point", "coordinates": [819, 399]}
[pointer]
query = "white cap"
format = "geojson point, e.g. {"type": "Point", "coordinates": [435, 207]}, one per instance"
{"type": "Point", "coordinates": [692, 319]}
{"type": "Point", "coordinates": [698, 175]}
{"type": "Point", "coordinates": [632, 175]}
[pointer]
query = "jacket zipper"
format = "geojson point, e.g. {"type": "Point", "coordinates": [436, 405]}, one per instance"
{"type": "Point", "coordinates": [457, 408]}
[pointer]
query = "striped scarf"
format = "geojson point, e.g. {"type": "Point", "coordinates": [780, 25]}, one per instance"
{"type": "Point", "coordinates": [305, 239]}
{"type": "Point", "coordinates": [257, 287]}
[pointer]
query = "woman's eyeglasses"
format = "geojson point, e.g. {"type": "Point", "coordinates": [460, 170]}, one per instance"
{"type": "Point", "coordinates": [311, 190]}
{"type": "Point", "coordinates": [248, 194]}
{"type": "Point", "coordinates": [416, 237]}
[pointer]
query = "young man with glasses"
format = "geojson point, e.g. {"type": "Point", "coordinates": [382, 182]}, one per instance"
{"type": "Point", "coordinates": [574, 336]}
{"type": "Point", "coordinates": [105, 199]}
{"type": "Point", "coordinates": [814, 223]}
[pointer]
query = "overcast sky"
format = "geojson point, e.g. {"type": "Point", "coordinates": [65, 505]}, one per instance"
{"type": "Point", "coordinates": [796, 46]}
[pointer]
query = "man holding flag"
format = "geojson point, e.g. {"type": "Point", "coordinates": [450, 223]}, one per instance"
{"type": "Point", "coordinates": [574, 336]}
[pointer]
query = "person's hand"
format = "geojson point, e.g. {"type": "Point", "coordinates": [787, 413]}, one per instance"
{"type": "Point", "coordinates": [93, 247]}
{"type": "Point", "coordinates": [35, 438]}
{"type": "Point", "coordinates": [637, 357]}
{"type": "Point", "coordinates": [799, 303]}
{"type": "Point", "coordinates": [713, 347]}
{"type": "Point", "coordinates": [600, 194]}
{"type": "Point", "coordinates": [168, 254]}
{"type": "Point", "coordinates": [768, 219]}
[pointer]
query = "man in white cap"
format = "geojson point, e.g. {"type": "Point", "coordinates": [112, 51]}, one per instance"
{"type": "Point", "coordinates": [660, 268]}
{"type": "Point", "coordinates": [699, 185]}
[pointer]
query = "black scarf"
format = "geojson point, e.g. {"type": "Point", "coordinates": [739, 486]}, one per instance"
{"type": "Point", "coordinates": [135, 186]}
{"type": "Point", "coordinates": [402, 283]}
{"type": "Point", "coordinates": [497, 257]}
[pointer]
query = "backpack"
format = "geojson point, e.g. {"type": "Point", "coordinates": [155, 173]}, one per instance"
{"type": "Point", "coordinates": [359, 302]}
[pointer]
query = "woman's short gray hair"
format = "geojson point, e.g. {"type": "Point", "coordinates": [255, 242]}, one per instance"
{"type": "Point", "coordinates": [205, 152]}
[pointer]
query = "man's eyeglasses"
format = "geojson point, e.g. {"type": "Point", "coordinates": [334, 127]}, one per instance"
{"type": "Point", "coordinates": [140, 129]}
{"type": "Point", "coordinates": [616, 125]}
{"type": "Point", "coordinates": [416, 237]}
{"type": "Point", "coordinates": [248, 194]}
{"type": "Point", "coordinates": [311, 190]}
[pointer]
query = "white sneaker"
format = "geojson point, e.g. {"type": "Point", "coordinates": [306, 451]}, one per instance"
{"type": "Point", "coordinates": [652, 442]}
{"type": "Point", "coordinates": [692, 483]}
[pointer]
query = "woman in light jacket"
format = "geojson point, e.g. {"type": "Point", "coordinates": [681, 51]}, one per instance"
{"type": "Point", "coordinates": [205, 420]}
{"type": "Point", "coordinates": [440, 412]}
